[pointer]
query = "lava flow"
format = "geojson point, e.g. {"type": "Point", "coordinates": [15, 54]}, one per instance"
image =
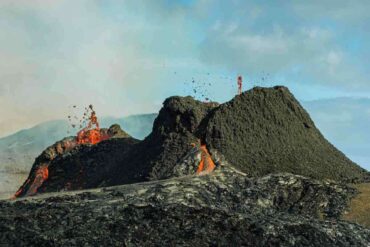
{"type": "Point", "coordinates": [20, 191]}
{"type": "Point", "coordinates": [206, 164]}
{"type": "Point", "coordinates": [42, 174]}
{"type": "Point", "coordinates": [90, 135]}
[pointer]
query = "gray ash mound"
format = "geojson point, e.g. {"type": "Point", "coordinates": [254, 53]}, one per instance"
{"type": "Point", "coordinates": [266, 130]}
{"type": "Point", "coordinates": [262, 131]}
{"type": "Point", "coordinates": [225, 208]}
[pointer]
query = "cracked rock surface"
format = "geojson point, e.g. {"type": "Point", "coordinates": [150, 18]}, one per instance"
{"type": "Point", "coordinates": [222, 209]}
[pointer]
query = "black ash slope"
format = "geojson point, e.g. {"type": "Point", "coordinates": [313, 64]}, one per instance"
{"type": "Point", "coordinates": [266, 130]}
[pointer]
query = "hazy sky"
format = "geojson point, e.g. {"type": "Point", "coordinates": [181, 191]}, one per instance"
{"type": "Point", "coordinates": [125, 57]}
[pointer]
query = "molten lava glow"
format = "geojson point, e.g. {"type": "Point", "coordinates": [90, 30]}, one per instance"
{"type": "Point", "coordinates": [89, 135]}
{"type": "Point", "coordinates": [92, 136]}
{"type": "Point", "coordinates": [206, 164]}
{"type": "Point", "coordinates": [42, 174]}
{"type": "Point", "coordinates": [20, 190]}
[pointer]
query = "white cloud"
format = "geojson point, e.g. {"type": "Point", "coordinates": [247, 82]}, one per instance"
{"type": "Point", "coordinates": [334, 58]}
{"type": "Point", "coordinates": [350, 12]}
{"type": "Point", "coordinates": [279, 42]}
{"type": "Point", "coordinates": [115, 54]}
{"type": "Point", "coordinates": [57, 53]}
{"type": "Point", "coordinates": [260, 44]}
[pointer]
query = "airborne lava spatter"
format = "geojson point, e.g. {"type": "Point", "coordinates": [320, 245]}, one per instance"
{"type": "Point", "coordinates": [90, 135]}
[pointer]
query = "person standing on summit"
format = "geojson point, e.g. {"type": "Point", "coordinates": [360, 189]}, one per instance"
{"type": "Point", "coordinates": [240, 84]}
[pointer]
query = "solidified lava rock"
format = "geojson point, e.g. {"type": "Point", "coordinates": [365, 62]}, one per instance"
{"type": "Point", "coordinates": [91, 166]}
{"type": "Point", "coordinates": [262, 131]}
{"type": "Point", "coordinates": [173, 133]}
{"type": "Point", "coordinates": [225, 208]}
{"type": "Point", "coordinates": [84, 160]}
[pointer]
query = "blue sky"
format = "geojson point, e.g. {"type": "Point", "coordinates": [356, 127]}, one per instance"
{"type": "Point", "coordinates": [125, 57]}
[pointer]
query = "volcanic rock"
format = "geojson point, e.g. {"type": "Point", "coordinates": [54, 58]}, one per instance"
{"type": "Point", "coordinates": [266, 130]}
{"type": "Point", "coordinates": [256, 140]}
{"type": "Point", "coordinates": [173, 134]}
{"type": "Point", "coordinates": [125, 161]}
{"type": "Point", "coordinates": [115, 131]}
{"type": "Point", "coordinates": [188, 164]}
{"type": "Point", "coordinates": [262, 131]}
{"type": "Point", "coordinates": [222, 209]}
{"type": "Point", "coordinates": [91, 166]}
{"type": "Point", "coordinates": [63, 150]}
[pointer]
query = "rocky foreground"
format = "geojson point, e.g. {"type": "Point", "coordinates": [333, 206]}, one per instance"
{"type": "Point", "coordinates": [225, 208]}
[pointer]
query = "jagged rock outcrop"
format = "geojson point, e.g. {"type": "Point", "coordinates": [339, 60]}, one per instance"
{"type": "Point", "coordinates": [115, 131]}
{"type": "Point", "coordinates": [173, 133]}
{"type": "Point", "coordinates": [222, 209]}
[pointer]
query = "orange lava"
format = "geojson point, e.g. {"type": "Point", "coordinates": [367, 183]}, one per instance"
{"type": "Point", "coordinates": [92, 136]}
{"type": "Point", "coordinates": [89, 135]}
{"type": "Point", "coordinates": [20, 190]}
{"type": "Point", "coordinates": [42, 174]}
{"type": "Point", "coordinates": [206, 164]}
